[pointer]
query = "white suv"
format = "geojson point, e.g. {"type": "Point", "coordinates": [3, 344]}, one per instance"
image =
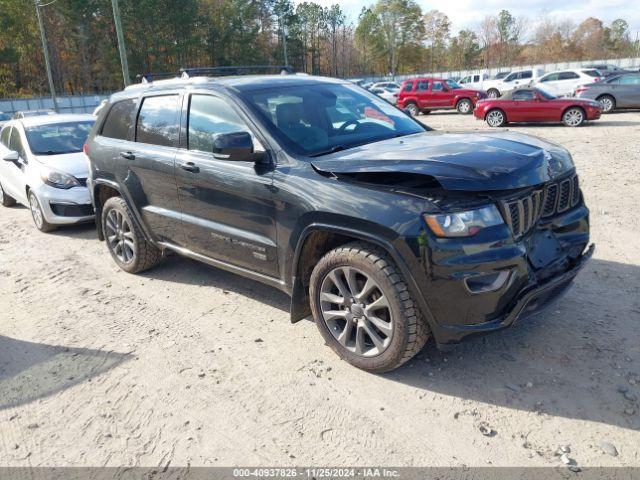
{"type": "Point", "coordinates": [43, 167]}
{"type": "Point", "coordinates": [519, 78]}
{"type": "Point", "coordinates": [563, 82]}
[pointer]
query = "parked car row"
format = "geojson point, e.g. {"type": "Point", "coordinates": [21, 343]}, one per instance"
{"type": "Point", "coordinates": [386, 232]}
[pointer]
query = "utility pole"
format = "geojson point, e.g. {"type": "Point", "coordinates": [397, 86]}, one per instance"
{"type": "Point", "coordinates": [284, 42]}
{"type": "Point", "coordinates": [47, 64]}
{"type": "Point", "coordinates": [121, 46]}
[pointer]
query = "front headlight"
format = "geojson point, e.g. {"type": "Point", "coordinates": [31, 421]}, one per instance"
{"type": "Point", "coordinates": [57, 179]}
{"type": "Point", "coordinates": [463, 224]}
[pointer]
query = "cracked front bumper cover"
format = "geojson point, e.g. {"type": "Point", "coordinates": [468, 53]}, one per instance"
{"type": "Point", "coordinates": [531, 299]}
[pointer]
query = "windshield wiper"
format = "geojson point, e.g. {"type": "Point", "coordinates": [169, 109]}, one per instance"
{"type": "Point", "coordinates": [334, 149]}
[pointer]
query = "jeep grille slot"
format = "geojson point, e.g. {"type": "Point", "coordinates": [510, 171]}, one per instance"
{"type": "Point", "coordinates": [561, 196]}
{"type": "Point", "coordinates": [523, 213]}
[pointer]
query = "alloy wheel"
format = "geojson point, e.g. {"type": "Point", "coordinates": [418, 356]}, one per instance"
{"type": "Point", "coordinates": [607, 104]}
{"type": "Point", "coordinates": [356, 311]}
{"type": "Point", "coordinates": [573, 117]}
{"type": "Point", "coordinates": [413, 110]}
{"type": "Point", "coordinates": [119, 236]}
{"type": "Point", "coordinates": [495, 118]}
{"type": "Point", "coordinates": [464, 107]}
{"type": "Point", "coordinates": [36, 211]}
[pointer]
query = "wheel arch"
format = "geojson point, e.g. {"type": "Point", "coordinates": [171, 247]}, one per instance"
{"type": "Point", "coordinates": [310, 248]}
{"type": "Point", "coordinates": [102, 191]}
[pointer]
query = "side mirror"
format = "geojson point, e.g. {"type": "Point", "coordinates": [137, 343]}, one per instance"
{"type": "Point", "coordinates": [12, 156]}
{"type": "Point", "coordinates": [235, 147]}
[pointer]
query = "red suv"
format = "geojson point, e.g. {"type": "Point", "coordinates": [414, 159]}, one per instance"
{"type": "Point", "coordinates": [421, 95]}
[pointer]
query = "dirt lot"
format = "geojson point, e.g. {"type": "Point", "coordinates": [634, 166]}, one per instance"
{"type": "Point", "coordinates": [191, 365]}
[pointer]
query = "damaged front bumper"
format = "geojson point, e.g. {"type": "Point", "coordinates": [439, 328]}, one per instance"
{"type": "Point", "coordinates": [532, 298]}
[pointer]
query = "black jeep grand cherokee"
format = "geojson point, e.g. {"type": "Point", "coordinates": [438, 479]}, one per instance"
{"type": "Point", "coordinates": [385, 231]}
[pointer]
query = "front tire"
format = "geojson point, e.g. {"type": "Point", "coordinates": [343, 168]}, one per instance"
{"type": "Point", "coordinates": [464, 106]}
{"type": "Point", "coordinates": [125, 240]}
{"type": "Point", "coordinates": [363, 308]}
{"type": "Point", "coordinates": [574, 117]}
{"type": "Point", "coordinates": [5, 199]}
{"type": "Point", "coordinates": [496, 118]}
{"type": "Point", "coordinates": [37, 214]}
{"type": "Point", "coordinates": [608, 103]}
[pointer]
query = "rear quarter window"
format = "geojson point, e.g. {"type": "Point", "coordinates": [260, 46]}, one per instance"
{"type": "Point", "coordinates": [119, 121]}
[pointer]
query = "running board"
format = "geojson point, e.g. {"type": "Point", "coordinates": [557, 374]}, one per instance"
{"type": "Point", "coordinates": [260, 277]}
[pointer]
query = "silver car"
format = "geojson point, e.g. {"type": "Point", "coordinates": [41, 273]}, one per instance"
{"type": "Point", "coordinates": [618, 92]}
{"type": "Point", "coordinates": [43, 167]}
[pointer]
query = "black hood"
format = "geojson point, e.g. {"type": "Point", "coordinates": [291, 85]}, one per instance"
{"type": "Point", "coordinates": [458, 161]}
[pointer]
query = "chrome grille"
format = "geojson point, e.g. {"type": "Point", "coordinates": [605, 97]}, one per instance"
{"type": "Point", "coordinates": [523, 213]}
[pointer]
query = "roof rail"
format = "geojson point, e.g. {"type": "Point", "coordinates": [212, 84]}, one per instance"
{"type": "Point", "coordinates": [236, 70]}
{"type": "Point", "coordinates": [150, 77]}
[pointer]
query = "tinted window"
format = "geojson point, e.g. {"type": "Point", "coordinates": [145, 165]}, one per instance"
{"type": "Point", "coordinates": [453, 85]}
{"type": "Point", "coordinates": [592, 73]}
{"type": "Point", "coordinates": [423, 85]}
{"type": "Point", "coordinates": [523, 95]}
{"type": "Point", "coordinates": [209, 116]}
{"type": "Point", "coordinates": [630, 80]}
{"type": "Point", "coordinates": [119, 120]}
{"type": "Point", "coordinates": [327, 117]}
{"type": "Point", "coordinates": [552, 77]}
{"type": "Point", "coordinates": [4, 136]}
{"type": "Point", "coordinates": [437, 87]}
{"type": "Point", "coordinates": [511, 77]}
{"type": "Point", "coordinates": [58, 138]}
{"type": "Point", "coordinates": [15, 143]}
{"type": "Point", "coordinates": [408, 87]}
{"type": "Point", "coordinates": [525, 74]}
{"type": "Point", "coordinates": [158, 121]}
{"type": "Point", "coordinates": [568, 76]}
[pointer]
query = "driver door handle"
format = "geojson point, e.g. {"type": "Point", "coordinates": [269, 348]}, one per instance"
{"type": "Point", "coordinates": [128, 155]}
{"type": "Point", "coordinates": [190, 167]}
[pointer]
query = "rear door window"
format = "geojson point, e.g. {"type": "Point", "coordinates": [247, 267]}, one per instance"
{"type": "Point", "coordinates": [423, 86]}
{"type": "Point", "coordinates": [526, 74]}
{"type": "Point", "coordinates": [158, 121]}
{"type": "Point", "coordinates": [568, 76]}
{"type": "Point", "coordinates": [119, 121]}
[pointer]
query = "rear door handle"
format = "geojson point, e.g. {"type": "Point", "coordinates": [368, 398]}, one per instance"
{"type": "Point", "coordinates": [190, 167]}
{"type": "Point", "coordinates": [128, 155]}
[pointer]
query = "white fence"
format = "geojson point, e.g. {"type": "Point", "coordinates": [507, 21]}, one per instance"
{"type": "Point", "coordinates": [627, 63]}
{"type": "Point", "coordinates": [66, 103]}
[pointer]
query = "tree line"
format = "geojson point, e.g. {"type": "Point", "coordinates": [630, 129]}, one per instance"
{"type": "Point", "coordinates": [388, 37]}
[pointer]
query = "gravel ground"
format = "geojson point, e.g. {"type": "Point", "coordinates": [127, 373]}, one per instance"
{"type": "Point", "coordinates": [187, 364]}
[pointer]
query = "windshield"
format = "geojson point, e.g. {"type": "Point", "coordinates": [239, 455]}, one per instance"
{"type": "Point", "coordinates": [453, 85]}
{"type": "Point", "coordinates": [546, 95]}
{"type": "Point", "coordinates": [58, 138]}
{"type": "Point", "coordinates": [320, 119]}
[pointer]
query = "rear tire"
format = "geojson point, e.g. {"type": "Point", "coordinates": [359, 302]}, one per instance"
{"type": "Point", "coordinates": [125, 240]}
{"type": "Point", "coordinates": [37, 214]}
{"type": "Point", "coordinates": [574, 117]}
{"type": "Point", "coordinates": [5, 199]}
{"type": "Point", "coordinates": [364, 310]}
{"type": "Point", "coordinates": [493, 93]}
{"type": "Point", "coordinates": [608, 103]}
{"type": "Point", "coordinates": [496, 118]}
{"type": "Point", "coordinates": [412, 109]}
{"type": "Point", "coordinates": [464, 106]}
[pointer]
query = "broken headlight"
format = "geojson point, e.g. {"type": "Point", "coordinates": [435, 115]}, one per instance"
{"type": "Point", "coordinates": [463, 224]}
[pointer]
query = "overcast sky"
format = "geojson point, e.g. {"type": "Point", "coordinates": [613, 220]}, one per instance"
{"type": "Point", "coordinates": [468, 13]}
